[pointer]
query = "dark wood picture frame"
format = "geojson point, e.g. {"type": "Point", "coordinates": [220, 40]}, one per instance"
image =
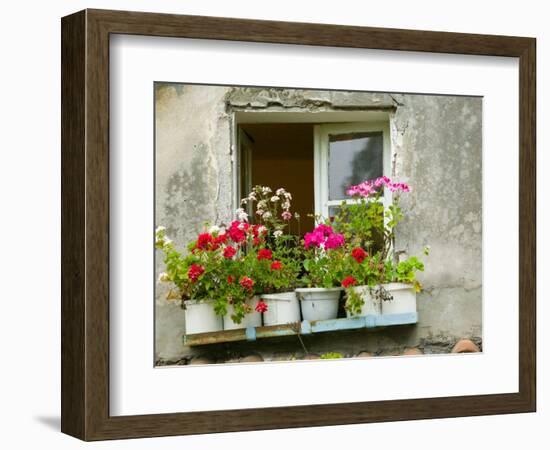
{"type": "Point", "coordinates": [85, 224]}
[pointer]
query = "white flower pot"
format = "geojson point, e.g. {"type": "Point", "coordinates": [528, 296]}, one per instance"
{"type": "Point", "coordinates": [372, 303]}
{"type": "Point", "coordinates": [282, 308]}
{"type": "Point", "coordinates": [253, 319]}
{"type": "Point", "coordinates": [200, 317]}
{"type": "Point", "coordinates": [404, 299]}
{"type": "Point", "coordinates": [319, 303]}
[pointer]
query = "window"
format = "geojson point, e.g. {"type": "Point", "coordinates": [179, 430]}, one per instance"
{"type": "Point", "coordinates": [316, 162]}
{"type": "Point", "coordinates": [347, 154]}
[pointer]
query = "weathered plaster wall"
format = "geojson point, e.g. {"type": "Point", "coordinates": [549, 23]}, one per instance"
{"type": "Point", "coordinates": [193, 182]}
{"type": "Point", "coordinates": [436, 144]}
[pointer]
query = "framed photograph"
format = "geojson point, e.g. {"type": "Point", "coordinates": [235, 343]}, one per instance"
{"type": "Point", "coordinates": [272, 225]}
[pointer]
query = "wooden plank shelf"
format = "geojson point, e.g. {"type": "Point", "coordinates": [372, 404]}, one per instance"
{"type": "Point", "coordinates": [305, 327]}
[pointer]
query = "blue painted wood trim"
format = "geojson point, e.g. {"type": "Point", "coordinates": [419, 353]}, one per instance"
{"type": "Point", "coordinates": [385, 320]}
{"type": "Point", "coordinates": [307, 327]}
{"type": "Point", "coordinates": [338, 324]}
{"type": "Point", "coordinates": [250, 333]}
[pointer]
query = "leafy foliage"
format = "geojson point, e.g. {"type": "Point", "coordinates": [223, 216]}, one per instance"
{"type": "Point", "coordinates": [331, 355]}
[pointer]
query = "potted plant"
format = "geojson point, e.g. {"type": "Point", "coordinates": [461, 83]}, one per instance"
{"type": "Point", "coordinates": [401, 285]}
{"type": "Point", "coordinates": [277, 272]}
{"type": "Point", "coordinates": [237, 299]}
{"type": "Point", "coordinates": [376, 283]}
{"type": "Point", "coordinates": [362, 273]}
{"type": "Point", "coordinates": [194, 279]}
{"type": "Point", "coordinates": [274, 256]}
{"type": "Point", "coordinates": [243, 308]}
{"type": "Point", "coordinates": [323, 263]}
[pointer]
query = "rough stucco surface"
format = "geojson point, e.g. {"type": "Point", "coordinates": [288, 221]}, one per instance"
{"type": "Point", "coordinates": [436, 142]}
{"type": "Point", "coordinates": [436, 148]}
{"type": "Point", "coordinates": [193, 182]}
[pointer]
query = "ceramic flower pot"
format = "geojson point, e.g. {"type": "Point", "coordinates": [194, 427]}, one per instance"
{"type": "Point", "coordinates": [200, 317]}
{"type": "Point", "coordinates": [252, 319]}
{"type": "Point", "coordinates": [372, 303]}
{"type": "Point", "coordinates": [319, 303]}
{"type": "Point", "coordinates": [282, 308]}
{"type": "Point", "coordinates": [403, 299]}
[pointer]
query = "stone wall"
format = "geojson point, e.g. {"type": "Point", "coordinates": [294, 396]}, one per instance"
{"type": "Point", "coordinates": [436, 148]}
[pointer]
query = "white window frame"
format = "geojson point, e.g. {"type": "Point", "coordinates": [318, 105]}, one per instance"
{"type": "Point", "coordinates": [244, 158]}
{"type": "Point", "coordinates": [321, 159]}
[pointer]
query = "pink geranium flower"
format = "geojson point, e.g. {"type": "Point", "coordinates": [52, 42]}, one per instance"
{"type": "Point", "coordinates": [334, 240]}
{"type": "Point", "coordinates": [286, 215]}
{"type": "Point", "coordinates": [323, 236]}
{"type": "Point", "coordinates": [371, 187]}
{"type": "Point", "coordinates": [314, 239]}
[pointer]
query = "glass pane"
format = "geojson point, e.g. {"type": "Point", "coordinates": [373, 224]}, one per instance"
{"type": "Point", "coordinates": [333, 211]}
{"type": "Point", "coordinates": [353, 158]}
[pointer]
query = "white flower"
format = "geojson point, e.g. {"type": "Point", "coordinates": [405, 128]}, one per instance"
{"type": "Point", "coordinates": [262, 229]}
{"type": "Point", "coordinates": [243, 201]}
{"type": "Point", "coordinates": [266, 215]}
{"type": "Point", "coordinates": [160, 229]}
{"type": "Point", "coordinates": [288, 195]}
{"type": "Point", "coordinates": [252, 196]}
{"type": "Point", "coordinates": [286, 205]}
{"type": "Point", "coordinates": [262, 204]}
{"type": "Point", "coordinates": [266, 190]}
{"type": "Point", "coordinates": [242, 215]}
{"type": "Point", "coordinates": [222, 231]}
{"type": "Point", "coordinates": [241, 226]}
{"type": "Point", "coordinates": [259, 212]}
{"type": "Point", "coordinates": [296, 215]}
{"type": "Point", "coordinates": [280, 191]}
{"type": "Point", "coordinates": [214, 229]}
{"type": "Point", "coordinates": [275, 199]}
{"type": "Point", "coordinates": [163, 277]}
{"type": "Point", "coordinates": [167, 242]}
{"type": "Point", "coordinates": [278, 233]}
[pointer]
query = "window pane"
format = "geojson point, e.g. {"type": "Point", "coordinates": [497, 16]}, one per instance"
{"type": "Point", "coordinates": [353, 158]}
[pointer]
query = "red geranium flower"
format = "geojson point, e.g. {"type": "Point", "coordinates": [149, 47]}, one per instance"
{"type": "Point", "coordinates": [359, 254]}
{"type": "Point", "coordinates": [237, 231]}
{"type": "Point", "coordinates": [221, 239]}
{"type": "Point", "coordinates": [349, 281]}
{"type": "Point", "coordinates": [276, 265]}
{"type": "Point", "coordinates": [230, 279]}
{"type": "Point", "coordinates": [257, 241]}
{"type": "Point", "coordinates": [264, 253]}
{"type": "Point", "coordinates": [261, 306]}
{"type": "Point", "coordinates": [195, 271]}
{"type": "Point", "coordinates": [229, 252]}
{"type": "Point", "coordinates": [247, 283]}
{"type": "Point", "coordinates": [258, 230]}
{"type": "Point", "coordinates": [204, 241]}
